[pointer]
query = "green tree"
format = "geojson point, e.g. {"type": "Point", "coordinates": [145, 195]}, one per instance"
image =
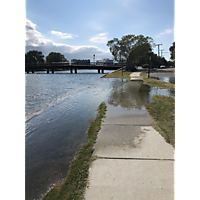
{"type": "Point", "coordinates": [172, 51]}
{"type": "Point", "coordinates": [171, 63]}
{"type": "Point", "coordinates": [139, 55]}
{"type": "Point", "coordinates": [132, 48]}
{"type": "Point", "coordinates": [55, 57]}
{"type": "Point", "coordinates": [114, 47]}
{"type": "Point", "coordinates": [34, 57]}
{"type": "Point", "coordinates": [156, 61]}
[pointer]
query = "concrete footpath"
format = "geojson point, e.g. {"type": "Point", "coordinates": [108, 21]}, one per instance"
{"type": "Point", "coordinates": [134, 161]}
{"type": "Point", "coordinates": [135, 76]}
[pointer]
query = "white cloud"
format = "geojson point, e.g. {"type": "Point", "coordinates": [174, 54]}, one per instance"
{"type": "Point", "coordinates": [169, 31]}
{"type": "Point", "coordinates": [63, 35]}
{"type": "Point", "coordinates": [36, 41]}
{"type": "Point", "coordinates": [34, 37]}
{"type": "Point", "coordinates": [100, 38]}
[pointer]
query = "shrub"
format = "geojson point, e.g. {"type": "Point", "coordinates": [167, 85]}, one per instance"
{"type": "Point", "coordinates": [131, 67]}
{"type": "Point", "coordinates": [145, 66]}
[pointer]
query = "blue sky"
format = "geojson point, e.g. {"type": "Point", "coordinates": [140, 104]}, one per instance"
{"type": "Point", "coordinates": [79, 29]}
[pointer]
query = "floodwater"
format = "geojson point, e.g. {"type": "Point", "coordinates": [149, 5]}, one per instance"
{"type": "Point", "coordinates": [168, 77]}
{"type": "Point", "coordinates": [59, 109]}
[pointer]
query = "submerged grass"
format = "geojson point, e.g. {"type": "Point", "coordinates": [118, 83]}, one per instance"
{"type": "Point", "coordinates": [118, 74]}
{"type": "Point", "coordinates": [162, 109]}
{"type": "Point", "coordinates": [76, 181]}
{"type": "Point", "coordinates": [155, 83]}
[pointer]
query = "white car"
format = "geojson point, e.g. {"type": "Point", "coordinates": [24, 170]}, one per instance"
{"type": "Point", "coordinates": [162, 66]}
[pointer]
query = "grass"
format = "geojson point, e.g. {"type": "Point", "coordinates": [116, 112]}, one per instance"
{"type": "Point", "coordinates": [155, 83]}
{"type": "Point", "coordinates": [162, 110]}
{"type": "Point", "coordinates": [143, 74]}
{"type": "Point", "coordinates": [76, 181]}
{"type": "Point", "coordinates": [118, 74]}
{"type": "Point", "coordinates": [147, 81]}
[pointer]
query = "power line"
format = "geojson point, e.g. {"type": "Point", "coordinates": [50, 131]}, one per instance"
{"type": "Point", "coordinates": [162, 52]}
{"type": "Point", "coordinates": [158, 48]}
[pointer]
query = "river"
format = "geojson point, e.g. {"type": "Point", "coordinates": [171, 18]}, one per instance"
{"type": "Point", "coordinates": [59, 109]}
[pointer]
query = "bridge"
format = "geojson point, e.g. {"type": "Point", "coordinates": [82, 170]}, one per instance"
{"type": "Point", "coordinates": [66, 66]}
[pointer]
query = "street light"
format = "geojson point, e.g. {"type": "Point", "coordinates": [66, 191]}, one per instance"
{"type": "Point", "coordinates": [150, 50]}
{"type": "Point", "coordinates": [94, 59]}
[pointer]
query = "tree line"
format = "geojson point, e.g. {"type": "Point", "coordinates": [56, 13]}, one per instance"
{"type": "Point", "coordinates": [36, 57]}
{"type": "Point", "coordinates": [132, 49]}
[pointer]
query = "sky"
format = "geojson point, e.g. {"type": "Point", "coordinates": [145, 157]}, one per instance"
{"type": "Point", "coordinates": [78, 29]}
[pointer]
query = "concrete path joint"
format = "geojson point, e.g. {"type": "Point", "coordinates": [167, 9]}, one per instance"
{"type": "Point", "coordinates": [157, 159]}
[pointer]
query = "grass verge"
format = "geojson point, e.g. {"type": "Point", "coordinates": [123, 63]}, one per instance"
{"type": "Point", "coordinates": [156, 83]}
{"type": "Point", "coordinates": [143, 74]}
{"type": "Point", "coordinates": [162, 109]}
{"type": "Point", "coordinates": [76, 181]}
{"type": "Point", "coordinates": [118, 74]}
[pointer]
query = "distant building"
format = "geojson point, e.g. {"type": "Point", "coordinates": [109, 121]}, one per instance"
{"type": "Point", "coordinates": [100, 62]}
{"type": "Point", "coordinates": [104, 62]}
{"type": "Point", "coordinates": [80, 62]}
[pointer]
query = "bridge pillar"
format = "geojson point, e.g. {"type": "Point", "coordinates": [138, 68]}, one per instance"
{"type": "Point", "coordinates": [98, 71]}
{"type": "Point", "coordinates": [102, 71]}
{"type": "Point", "coordinates": [75, 71]}
{"type": "Point", "coordinates": [27, 72]}
{"type": "Point", "coordinates": [32, 72]}
{"type": "Point", "coordinates": [47, 71]}
{"type": "Point", "coordinates": [71, 70]}
{"type": "Point", "coordinates": [52, 71]}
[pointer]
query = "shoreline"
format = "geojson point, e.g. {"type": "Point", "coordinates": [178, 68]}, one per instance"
{"type": "Point", "coordinates": [76, 180]}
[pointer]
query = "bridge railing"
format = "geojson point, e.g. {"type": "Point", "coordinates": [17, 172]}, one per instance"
{"type": "Point", "coordinates": [63, 64]}
{"type": "Point", "coordinates": [46, 64]}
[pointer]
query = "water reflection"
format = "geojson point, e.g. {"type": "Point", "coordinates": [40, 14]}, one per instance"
{"type": "Point", "coordinates": [170, 92]}
{"type": "Point", "coordinates": [134, 94]}
{"type": "Point", "coordinates": [167, 79]}
{"type": "Point", "coordinates": [130, 95]}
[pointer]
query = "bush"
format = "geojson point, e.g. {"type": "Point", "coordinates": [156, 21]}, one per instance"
{"type": "Point", "coordinates": [145, 66]}
{"type": "Point", "coordinates": [131, 68]}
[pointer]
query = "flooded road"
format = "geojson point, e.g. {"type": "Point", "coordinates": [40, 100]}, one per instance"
{"type": "Point", "coordinates": [166, 75]}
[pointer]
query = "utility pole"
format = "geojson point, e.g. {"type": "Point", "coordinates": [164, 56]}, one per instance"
{"type": "Point", "coordinates": [161, 52]}
{"type": "Point", "coordinates": [164, 52]}
{"type": "Point", "coordinates": [158, 49]}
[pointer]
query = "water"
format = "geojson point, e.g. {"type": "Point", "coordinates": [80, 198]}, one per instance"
{"type": "Point", "coordinates": [167, 92]}
{"type": "Point", "coordinates": [44, 90]}
{"type": "Point", "coordinates": [170, 79]}
{"type": "Point", "coordinates": [59, 109]}
{"type": "Point", "coordinates": [166, 76]}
